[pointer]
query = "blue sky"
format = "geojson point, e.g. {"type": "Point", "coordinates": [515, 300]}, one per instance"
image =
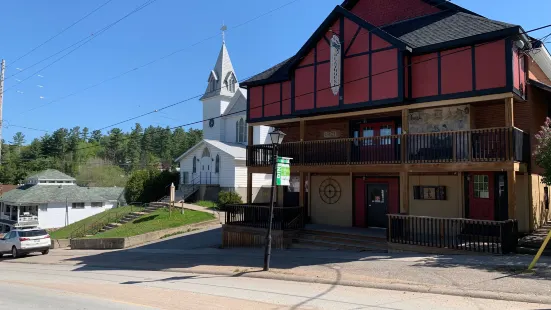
{"type": "Point", "coordinates": [157, 30]}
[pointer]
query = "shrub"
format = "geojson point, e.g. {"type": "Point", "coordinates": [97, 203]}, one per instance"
{"type": "Point", "coordinates": [225, 198]}
{"type": "Point", "coordinates": [149, 185]}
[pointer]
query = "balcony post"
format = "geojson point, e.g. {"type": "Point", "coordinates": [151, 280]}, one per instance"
{"type": "Point", "coordinates": [249, 187]}
{"type": "Point", "coordinates": [404, 192]}
{"type": "Point", "coordinates": [301, 149]}
{"type": "Point", "coordinates": [510, 124]}
{"type": "Point", "coordinates": [301, 190]}
{"type": "Point", "coordinates": [511, 194]}
{"type": "Point", "coordinates": [405, 129]}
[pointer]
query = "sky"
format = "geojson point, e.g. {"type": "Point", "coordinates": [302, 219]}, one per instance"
{"type": "Point", "coordinates": [163, 27]}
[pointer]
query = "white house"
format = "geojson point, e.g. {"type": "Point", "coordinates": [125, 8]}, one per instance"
{"type": "Point", "coordinates": [219, 159]}
{"type": "Point", "coordinates": [51, 199]}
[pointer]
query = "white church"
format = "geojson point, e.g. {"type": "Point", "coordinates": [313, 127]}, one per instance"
{"type": "Point", "coordinates": [218, 162]}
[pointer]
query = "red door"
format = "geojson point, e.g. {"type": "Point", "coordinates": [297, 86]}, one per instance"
{"type": "Point", "coordinates": [375, 147]}
{"type": "Point", "coordinates": [481, 196]}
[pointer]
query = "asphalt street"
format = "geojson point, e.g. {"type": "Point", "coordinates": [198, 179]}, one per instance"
{"type": "Point", "coordinates": [32, 286]}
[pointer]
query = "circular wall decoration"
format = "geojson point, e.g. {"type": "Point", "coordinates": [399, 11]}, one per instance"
{"type": "Point", "coordinates": [330, 191]}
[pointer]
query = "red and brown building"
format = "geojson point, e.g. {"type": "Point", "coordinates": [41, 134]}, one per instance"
{"type": "Point", "coordinates": [416, 107]}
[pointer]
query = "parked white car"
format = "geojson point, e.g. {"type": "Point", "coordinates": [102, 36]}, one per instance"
{"type": "Point", "coordinates": [20, 242]}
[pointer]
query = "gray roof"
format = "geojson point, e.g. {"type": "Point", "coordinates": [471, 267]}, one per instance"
{"type": "Point", "coordinates": [443, 27]}
{"type": "Point", "coordinates": [51, 174]}
{"type": "Point", "coordinates": [36, 194]}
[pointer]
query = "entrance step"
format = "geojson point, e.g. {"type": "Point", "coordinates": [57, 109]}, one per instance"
{"type": "Point", "coordinates": [319, 239]}
{"type": "Point", "coordinates": [531, 243]}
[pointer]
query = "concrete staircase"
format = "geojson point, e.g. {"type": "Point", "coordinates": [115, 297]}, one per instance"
{"type": "Point", "coordinates": [531, 243]}
{"type": "Point", "coordinates": [152, 207]}
{"type": "Point", "coordinates": [329, 240]}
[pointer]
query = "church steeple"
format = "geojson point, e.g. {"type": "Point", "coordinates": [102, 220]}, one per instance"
{"type": "Point", "coordinates": [222, 80]}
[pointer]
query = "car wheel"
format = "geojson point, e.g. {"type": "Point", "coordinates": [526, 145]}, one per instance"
{"type": "Point", "coordinates": [14, 252]}
{"type": "Point", "coordinates": [45, 252]}
{"type": "Point", "coordinates": [1, 254]}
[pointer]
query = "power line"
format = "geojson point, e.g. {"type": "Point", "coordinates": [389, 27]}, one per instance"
{"type": "Point", "coordinates": [86, 40]}
{"type": "Point", "coordinates": [62, 31]}
{"type": "Point", "coordinates": [157, 59]}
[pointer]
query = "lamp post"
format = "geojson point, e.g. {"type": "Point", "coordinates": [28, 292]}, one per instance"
{"type": "Point", "coordinates": [277, 137]}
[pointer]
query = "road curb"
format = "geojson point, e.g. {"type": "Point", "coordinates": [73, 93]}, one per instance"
{"type": "Point", "coordinates": [415, 288]}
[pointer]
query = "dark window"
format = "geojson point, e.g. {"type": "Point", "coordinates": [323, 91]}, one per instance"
{"type": "Point", "coordinates": [194, 164]}
{"type": "Point", "coordinates": [78, 205]}
{"type": "Point", "coordinates": [217, 164]}
{"type": "Point", "coordinates": [32, 233]}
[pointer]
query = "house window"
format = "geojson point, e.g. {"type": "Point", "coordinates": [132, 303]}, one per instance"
{"type": "Point", "coordinates": [194, 164]}
{"type": "Point", "coordinates": [241, 131]}
{"type": "Point", "coordinates": [185, 178]}
{"type": "Point", "coordinates": [97, 204]}
{"type": "Point", "coordinates": [368, 132]}
{"type": "Point", "coordinates": [385, 131]}
{"type": "Point", "coordinates": [481, 188]}
{"type": "Point", "coordinates": [78, 205]}
{"type": "Point", "coordinates": [217, 164]}
{"type": "Point", "coordinates": [43, 208]}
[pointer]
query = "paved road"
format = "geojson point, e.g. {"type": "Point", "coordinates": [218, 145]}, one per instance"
{"type": "Point", "coordinates": [26, 286]}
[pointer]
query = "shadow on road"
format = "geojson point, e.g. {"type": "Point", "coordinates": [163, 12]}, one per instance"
{"type": "Point", "coordinates": [201, 249]}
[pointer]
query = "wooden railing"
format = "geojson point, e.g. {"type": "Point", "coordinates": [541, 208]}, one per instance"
{"type": "Point", "coordinates": [495, 144]}
{"type": "Point", "coordinates": [455, 234]}
{"type": "Point", "coordinates": [257, 216]}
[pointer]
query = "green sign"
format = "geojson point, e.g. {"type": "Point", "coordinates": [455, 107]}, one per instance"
{"type": "Point", "coordinates": [283, 171]}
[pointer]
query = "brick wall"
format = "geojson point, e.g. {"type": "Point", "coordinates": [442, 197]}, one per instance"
{"type": "Point", "coordinates": [538, 101]}
{"type": "Point", "coordinates": [489, 114]}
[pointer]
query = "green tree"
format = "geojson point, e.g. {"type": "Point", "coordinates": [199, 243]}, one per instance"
{"type": "Point", "coordinates": [85, 134]}
{"type": "Point", "coordinates": [96, 136]}
{"type": "Point", "coordinates": [543, 150]}
{"type": "Point", "coordinates": [97, 172]}
{"type": "Point", "coordinates": [19, 139]}
{"type": "Point", "coordinates": [133, 148]}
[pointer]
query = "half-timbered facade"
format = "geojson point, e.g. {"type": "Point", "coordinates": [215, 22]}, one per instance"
{"type": "Point", "coordinates": [416, 107]}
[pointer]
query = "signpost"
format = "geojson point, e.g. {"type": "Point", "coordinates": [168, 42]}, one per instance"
{"type": "Point", "coordinates": [283, 171]}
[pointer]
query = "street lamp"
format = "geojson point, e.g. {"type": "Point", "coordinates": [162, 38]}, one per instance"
{"type": "Point", "coordinates": [277, 137]}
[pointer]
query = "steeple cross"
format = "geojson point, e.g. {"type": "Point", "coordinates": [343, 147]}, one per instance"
{"type": "Point", "coordinates": [224, 28]}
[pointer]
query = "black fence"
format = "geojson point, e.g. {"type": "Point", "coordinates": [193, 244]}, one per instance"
{"type": "Point", "coordinates": [257, 216]}
{"type": "Point", "coordinates": [499, 237]}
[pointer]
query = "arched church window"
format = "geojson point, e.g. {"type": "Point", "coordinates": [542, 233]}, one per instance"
{"type": "Point", "coordinates": [217, 164]}
{"type": "Point", "coordinates": [194, 164]}
{"type": "Point", "coordinates": [206, 152]}
{"type": "Point", "coordinates": [237, 131]}
{"type": "Point", "coordinates": [231, 83]}
{"type": "Point", "coordinates": [241, 131]}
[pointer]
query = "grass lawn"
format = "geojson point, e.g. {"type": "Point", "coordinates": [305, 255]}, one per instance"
{"type": "Point", "coordinates": [158, 220]}
{"type": "Point", "coordinates": [65, 232]}
{"type": "Point", "coordinates": [206, 203]}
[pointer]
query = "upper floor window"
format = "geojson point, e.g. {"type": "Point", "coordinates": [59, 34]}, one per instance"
{"type": "Point", "coordinates": [212, 81]}
{"type": "Point", "coordinates": [240, 131]}
{"type": "Point", "coordinates": [206, 152]}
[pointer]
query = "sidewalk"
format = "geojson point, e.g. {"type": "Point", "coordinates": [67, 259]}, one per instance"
{"type": "Point", "coordinates": [496, 277]}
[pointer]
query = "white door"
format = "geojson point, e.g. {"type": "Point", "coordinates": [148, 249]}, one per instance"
{"type": "Point", "coordinates": [206, 170]}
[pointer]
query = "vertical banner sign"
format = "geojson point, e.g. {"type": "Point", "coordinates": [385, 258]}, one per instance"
{"type": "Point", "coordinates": [283, 171]}
{"type": "Point", "coordinates": [335, 65]}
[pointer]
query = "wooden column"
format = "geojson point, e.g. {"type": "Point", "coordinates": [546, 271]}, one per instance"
{"type": "Point", "coordinates": [404, 192]}
{"type": "Point", "coordinates": [509, 113]}
{"type": "Point", "coordinates": [511, 193]}
{"type": "Point", "coordinates": [405, 129]}
{"type": "Point", "coordinates": [309, 195]}
{"type": "Point", "coordinates": [250, 135]}
{"type": "Point", "coordinates": [302, 129]}
{"type": "Point", "coordinates": [301, 190]}
{"type": "Point", "coordinates": [249, 187]}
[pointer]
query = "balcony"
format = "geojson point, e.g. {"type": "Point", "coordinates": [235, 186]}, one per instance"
{"type": "Point", "coordinates": [480, 145]}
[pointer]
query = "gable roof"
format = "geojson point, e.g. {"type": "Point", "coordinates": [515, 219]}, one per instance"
{"type": "Point", "coordinates": [238, 103]}
{"type": "Point", "coordinates": [453, 26]}
{"type": "Point", "coordinates": [37, 194]}
{"type": "Point", "coordinates": [235, 150]}
{"type": "Point", "coordinates": [51, 174]}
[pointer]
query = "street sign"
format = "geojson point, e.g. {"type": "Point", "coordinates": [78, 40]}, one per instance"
{"type": "Point", "coordinates": [283, 171]}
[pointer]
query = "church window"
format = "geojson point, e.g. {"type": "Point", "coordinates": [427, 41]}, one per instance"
{"type": "Point", "coordinates": [206, 153]}
{"type": "Point", "coordinates": [194, 164]}
{"type": "Point", "coordinates": [231, 82]}
{"type": "Point", "coordinates": [240, 131]}
{"type": "Point", "coordinates": [217, 164]}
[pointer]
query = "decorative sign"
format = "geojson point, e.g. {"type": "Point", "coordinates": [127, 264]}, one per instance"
{"type": "Point", "coordinates": [283, 171]}
{"type": "Point", "coordinates": [335, 65]}
{"type": "Point", "coordinates": [331, 134]}
{"type": "Point", "coordinates": [330, 191]}
{"type": "Point", "coordinates": [429, 192]}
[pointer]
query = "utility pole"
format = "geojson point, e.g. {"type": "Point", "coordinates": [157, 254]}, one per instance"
{"type": "Point", "coordinates": [2, 70]}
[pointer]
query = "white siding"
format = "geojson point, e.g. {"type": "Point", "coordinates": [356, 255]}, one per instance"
{"type": "Point", "coordinates": [54, 216]}
{"type": "Point", "coordinates": [230, 122]}
{"type": "Point", "coordinates": [260, 135]}
{"type": "Point", "coordinates": [227, 172]}
{"type": "Point", "coordinates": [213, 108]}
{"type": "Point", "coordinates": [259, 179]}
